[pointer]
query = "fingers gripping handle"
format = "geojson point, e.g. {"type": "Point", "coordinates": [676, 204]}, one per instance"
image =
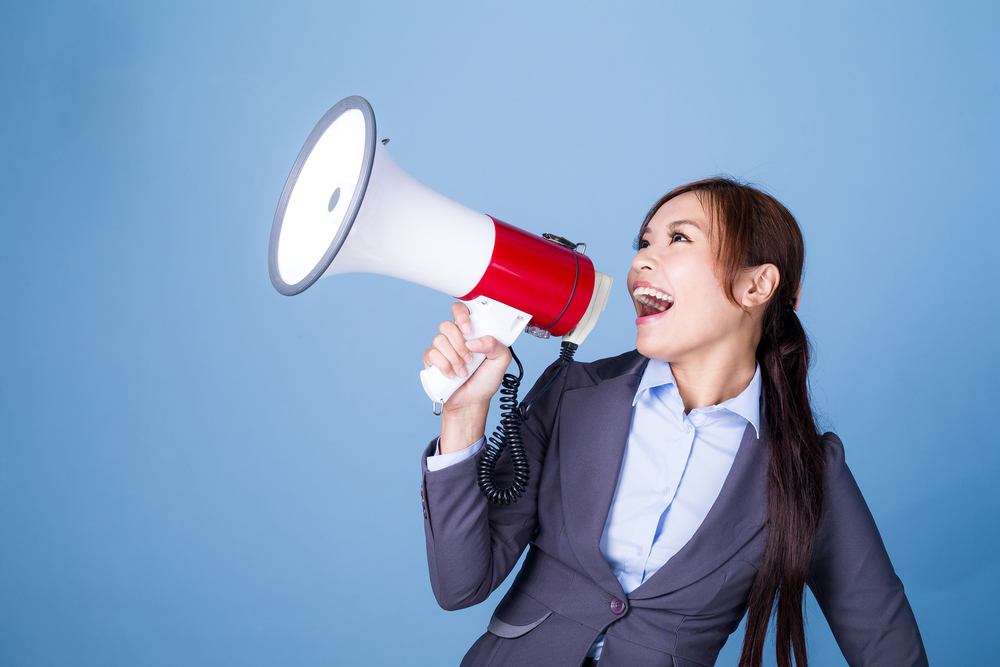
{"type": "Point", "coordinates": [489, 318]}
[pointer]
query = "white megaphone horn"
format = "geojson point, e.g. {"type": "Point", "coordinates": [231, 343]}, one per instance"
{"type": "Point", "coordinates": [348, 207]}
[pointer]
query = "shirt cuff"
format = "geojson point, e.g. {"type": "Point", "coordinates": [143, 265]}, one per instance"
{"type": "Point", "coordinates": [441, 461]}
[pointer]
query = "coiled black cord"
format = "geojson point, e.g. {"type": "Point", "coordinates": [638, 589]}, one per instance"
{"type": "Point", "coordinates": [508, 434]}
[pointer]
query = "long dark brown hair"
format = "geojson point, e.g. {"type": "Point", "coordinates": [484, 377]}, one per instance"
{"type": "Point", "coordinates": [751, 228]}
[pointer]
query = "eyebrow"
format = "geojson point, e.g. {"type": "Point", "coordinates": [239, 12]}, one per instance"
{"type": "Point", "coordinates": [674, 225]}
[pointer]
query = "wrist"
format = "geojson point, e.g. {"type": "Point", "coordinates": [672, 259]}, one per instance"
{"type": "Point", "coordinates": [461, 427]}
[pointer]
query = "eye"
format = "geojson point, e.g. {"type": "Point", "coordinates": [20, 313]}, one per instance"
{"type": "Point", "coordinates": [679, 237]}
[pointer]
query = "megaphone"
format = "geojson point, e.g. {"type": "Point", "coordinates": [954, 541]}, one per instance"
{"type": "Point", "coordinates": [348, 207]}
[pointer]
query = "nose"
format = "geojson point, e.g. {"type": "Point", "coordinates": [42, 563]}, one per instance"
{"type": "Point", "coordinates": [643, 260]}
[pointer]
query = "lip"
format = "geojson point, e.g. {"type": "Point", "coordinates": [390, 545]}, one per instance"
{"type": "Point", "coordinates": [648, 319]}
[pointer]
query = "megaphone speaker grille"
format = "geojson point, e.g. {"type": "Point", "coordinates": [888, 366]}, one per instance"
{"type": "Point", "coordinates": [322, 196]}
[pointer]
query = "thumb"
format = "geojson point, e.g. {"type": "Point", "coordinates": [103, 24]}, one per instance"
{"type": "Point", "coordinates": [490, 346]}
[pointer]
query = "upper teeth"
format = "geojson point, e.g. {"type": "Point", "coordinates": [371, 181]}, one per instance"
{"type": "Point", "coordinates": [641, 294]}
{"type": "Point", "coordinates": [639, 291]}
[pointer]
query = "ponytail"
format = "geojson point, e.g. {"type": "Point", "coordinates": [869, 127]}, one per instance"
{"type": "Point", "coordinates": [794, 491]}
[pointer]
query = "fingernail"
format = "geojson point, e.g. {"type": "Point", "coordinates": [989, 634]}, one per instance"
{"type": "Point", "coordinates": [451, 373]}
{"type": "Point", "coordinates": [466, 328]}
{"type": "Point", "coordinates": [468, 358]}
{"type": "Point", "coordinates": [474, 345]}
{"type": "Point", "coordinates": [463, 371]}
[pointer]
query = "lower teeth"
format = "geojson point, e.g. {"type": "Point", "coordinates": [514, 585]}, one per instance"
{"type": "Point", "coordinates": [652, 304]}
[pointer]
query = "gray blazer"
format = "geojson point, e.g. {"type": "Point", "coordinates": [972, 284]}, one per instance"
{"type": "Point", "coordinates": [565, 595]}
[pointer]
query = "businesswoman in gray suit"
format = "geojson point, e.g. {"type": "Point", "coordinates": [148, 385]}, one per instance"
{"type": "Point", "coordinates": [676, 487]}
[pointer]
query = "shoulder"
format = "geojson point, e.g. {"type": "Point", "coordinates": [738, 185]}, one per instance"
{"type": "Point", "coordinates": [833, 446]}
{"type": "Point", "coordinates": [545, 395]}
{"type": "Point", "coordinates": [836, 474]}
{"type": "Point", "coordinates": [588, 373]}
{"type": "Point", "coordinates": [838, 481]}
{"type": "Point", "coordinates": [843, 503]}
{"type": "Point", "coordinates": [629, 363]}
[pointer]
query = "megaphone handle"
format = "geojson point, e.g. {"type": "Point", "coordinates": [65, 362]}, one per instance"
{"type": "Point", "coordinates": [489, 318]}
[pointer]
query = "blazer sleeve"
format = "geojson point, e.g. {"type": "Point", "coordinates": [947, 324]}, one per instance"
{"type": "Point", "coordinates": [853, 579]}
{"type": "Point", "coordinates": [472, 544]}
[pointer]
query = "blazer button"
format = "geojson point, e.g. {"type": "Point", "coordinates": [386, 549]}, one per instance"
{"type": "Point", "coordinates": [617, 606]}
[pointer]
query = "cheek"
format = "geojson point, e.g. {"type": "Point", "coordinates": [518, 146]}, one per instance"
{"type": "Point", "coordinates": [704, 294]}
{"type": "Point", "coordinates": [702, 269]}
{"type": "Point", "coordinates": [719, 313]}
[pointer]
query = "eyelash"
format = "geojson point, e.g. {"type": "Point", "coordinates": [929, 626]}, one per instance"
{"type": "Point", "coordinates": [637, 243]}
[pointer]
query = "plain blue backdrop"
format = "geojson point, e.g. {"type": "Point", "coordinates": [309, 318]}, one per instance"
{"type": "Point", "coordinates": [195, 470]}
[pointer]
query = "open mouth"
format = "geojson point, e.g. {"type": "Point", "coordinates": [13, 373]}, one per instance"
{"type": "Point", "coordinates": [652, 301]}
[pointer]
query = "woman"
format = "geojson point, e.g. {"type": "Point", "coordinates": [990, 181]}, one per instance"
{"type": "Point", "coordinates": [676, 487]}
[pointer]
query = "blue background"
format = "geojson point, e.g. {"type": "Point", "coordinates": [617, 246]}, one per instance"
{"type": "Point", "coordinates": [195, 470]}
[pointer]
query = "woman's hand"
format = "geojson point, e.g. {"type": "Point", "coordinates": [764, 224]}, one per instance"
{"type": "Point", "coordinates": [463, 418]}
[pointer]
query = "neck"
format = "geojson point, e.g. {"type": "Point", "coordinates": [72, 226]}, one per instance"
{"type": "Point", "coordinates": [710, 382]}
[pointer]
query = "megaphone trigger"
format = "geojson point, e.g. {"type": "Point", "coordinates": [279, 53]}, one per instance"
{"type": "Point", "coordinates": [489, 318]}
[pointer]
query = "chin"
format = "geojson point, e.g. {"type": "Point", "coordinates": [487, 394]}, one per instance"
{"type": "Point", "coordinates": [650, 350]}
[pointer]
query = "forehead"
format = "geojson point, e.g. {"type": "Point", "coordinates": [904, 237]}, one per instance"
{"type": "Point", "coordinates": [683, 210]}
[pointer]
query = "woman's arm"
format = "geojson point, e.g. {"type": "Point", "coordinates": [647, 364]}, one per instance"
{"type": "Point", "coordinates": [853, 579]}
{"type": "Point", "coordinates": [472, 545]}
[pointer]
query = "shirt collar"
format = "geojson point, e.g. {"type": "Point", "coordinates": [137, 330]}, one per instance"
{"type": "Point", "coordinates": [746, 404]}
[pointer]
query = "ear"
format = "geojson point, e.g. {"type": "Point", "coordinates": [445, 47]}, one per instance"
{"type": "Point", "coordinates": [762, 282]}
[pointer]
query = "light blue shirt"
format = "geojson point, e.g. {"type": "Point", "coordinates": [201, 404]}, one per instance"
{"type": "Point", "coordinates": [673, 470]}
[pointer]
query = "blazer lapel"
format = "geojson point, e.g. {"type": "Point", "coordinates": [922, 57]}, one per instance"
{"type": "Point", "coordinates": [729, 524]}
{"type": "Point", "coordinates": [593, 431]}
